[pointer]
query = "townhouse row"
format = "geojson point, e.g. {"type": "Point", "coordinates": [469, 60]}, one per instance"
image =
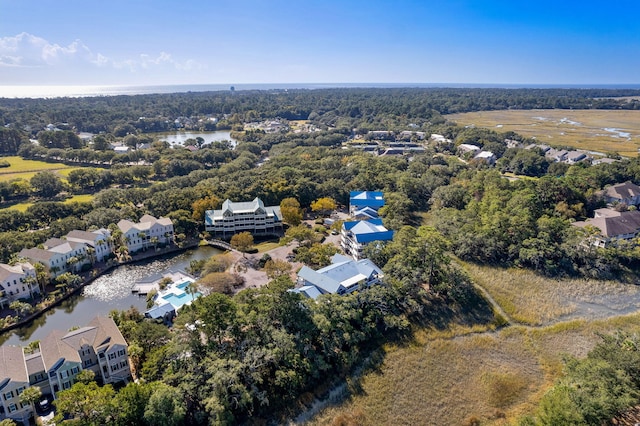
{"type": "Point", "coordinates": [78, 250]}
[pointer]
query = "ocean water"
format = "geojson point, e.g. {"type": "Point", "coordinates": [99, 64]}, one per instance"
{"type": "Point", "coordinates": [36, 91]}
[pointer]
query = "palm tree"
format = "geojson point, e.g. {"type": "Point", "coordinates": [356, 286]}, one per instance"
{"type": "Point", "coordinates": [30, 280]}
{"type": "Point", "coordinates": [154, 241]}
{"type": "Point", "coordinates": [91, 252]}
{"type": "Point", "coordinates": [31, 396]}
{"type": "Point", "coordinates": [42, 277]}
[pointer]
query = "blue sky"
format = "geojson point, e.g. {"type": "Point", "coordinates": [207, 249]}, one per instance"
{"type": "Point", "coordinates": [145, 42]}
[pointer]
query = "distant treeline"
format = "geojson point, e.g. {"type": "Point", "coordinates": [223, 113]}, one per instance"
{"type": "Point", "coordinates": [331, 107]}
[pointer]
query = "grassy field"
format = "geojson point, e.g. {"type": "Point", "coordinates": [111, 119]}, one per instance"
{"type": "Point", "coordinates": [25, 169]}
{"type": "Point", "coordinates": [593, 130]}
{"type": "Point", "coordinates": [458, 376]}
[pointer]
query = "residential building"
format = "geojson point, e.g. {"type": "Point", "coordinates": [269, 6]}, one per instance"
{"type": "Point", "coordinates": [58, 256]}
{"type": "Point", "coordinates": [98, 347]}
{"type": "Point", "coordinates": [466, 148]}
{"type": "Point", "coordinates": [612, 226]}
{"type": "Point", "coordinates": [359, 200]}
{"type": "Point", "coordinates": [623, 193]}
{"type": "Point", "coordinates": [13, 381]}
{"type": "Point", "coordinates": [98, 240]}
{"type": "Point", "coordinates": [486, 156]}
{"type": "Point", "coordinates": [356, 234]}
{"type": "Point", "coordinates": [575, 157]}
{"type": "Point", "coordinates": [343, 276]}
{"type": "Point", "coordinates": [149, 232]}
{"type": "Point", "coordinates": [252, 216]}
{"type": "Point", "coordinates": [17, 282]}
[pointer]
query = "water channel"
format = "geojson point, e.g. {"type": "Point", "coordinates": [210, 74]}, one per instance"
{"type": "Point", "coordinates": [178, 138]}
{"type": "Point", "coordinates": [108, 292]}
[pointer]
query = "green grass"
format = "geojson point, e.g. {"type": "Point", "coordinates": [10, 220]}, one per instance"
{"type": "Point", "coordinates": [26, 169]}
{"type": "Point", "coordinates": [83, 198]}
{"type": "Point", "coordinates": [21, 207]}
{"type": "Point", "coordinates": [558, 127]}
{"type": "Point", "coordinates": [266, 246]}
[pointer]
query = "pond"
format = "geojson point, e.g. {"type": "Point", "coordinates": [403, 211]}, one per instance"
{"type": "Point", "coordinates": [178, 138]}
{"type": "Point", "coordinates": [108, 292]}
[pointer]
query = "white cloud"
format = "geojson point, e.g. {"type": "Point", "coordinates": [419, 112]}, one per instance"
{"type": "Point", "coordinates": [29, 51]}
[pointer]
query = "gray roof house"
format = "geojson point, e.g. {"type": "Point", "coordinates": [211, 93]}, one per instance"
{"type": "Point", "coordinates": [624, 193]}
{"type": "Point", "coordinates": [613, 226]}
{"type": "Point", "coordinates": [252, 216]}
{"type": "Point", "coordinates": [343, 276]}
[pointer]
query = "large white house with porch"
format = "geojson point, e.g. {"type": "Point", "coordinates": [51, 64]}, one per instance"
{"type": "Point", "coordinates": [252, 216]}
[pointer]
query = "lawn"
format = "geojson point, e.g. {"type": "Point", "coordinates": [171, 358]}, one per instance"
{"type": "Point", "coordinates": [592, 130]}
{"type": "Point", "coordinates": [82, 198]}
{"type": "Point", "coordinates": [25, 169]}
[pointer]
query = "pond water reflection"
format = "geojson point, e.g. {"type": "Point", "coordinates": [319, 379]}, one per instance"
{"type": "Point", "coordinates": [108, 292]}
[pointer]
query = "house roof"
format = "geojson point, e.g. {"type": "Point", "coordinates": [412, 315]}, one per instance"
{"type": "Point", "coordinates": [146, 222]}
{"type": "Point", "coordinates": [342, 272]}
{"type": "Point", "coordinates": [624, 190]}
{"type": "Point", "coordinates": [366, 231]}
{"type": "Point", "coordinates": [12, 364]}
{"type": "Point", "coordinates": [309, 291]}
{"type": "Point", "coordinates": [100, 333]}
{"type": "Point", "coordinates": [160, 311]}
{"type": "Point", "coordinates": [34, 363]}
{"type": "Point", "coordinates": [373, 199]}
{"type": "Point", "coordinates": [7, 270]}
{"type": "Point", "coordinates": [37, 254]}
{"type": "Point", "coordinates": [366, 212]}
{"type": "Point", "coordinates": [612, 223]}
{"type": "Point", "coordinates": [242, 207]}
{"type": "Point", "coordinates": [86, 236]}
{"type": "Point", "coordinates": [53, 349]}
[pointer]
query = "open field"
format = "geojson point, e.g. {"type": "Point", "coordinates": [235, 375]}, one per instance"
{"type": "Point", "coordinates": [494, 377]}
{"type": "Point", "coordinates": [25, 169]}
{"type": "Point", "coordinates": [530, 299]}
{"type": "Point", "coordinates": [592, 130]}
{"type": "Point", "coordinates": [456, 376]}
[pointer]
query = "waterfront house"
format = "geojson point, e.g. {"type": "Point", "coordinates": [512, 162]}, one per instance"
{"type": "Point", "coordinates": [98, 240]}
{"type": "Point", "coordinates": [13, 381]}
{"type": "Point", "coordinates": [356, 234]}
{"type": "Point", "coordinates": [74, 254]}
{"type": "Point", "coordinates": [623, 193]}
{"type": "Point", "coordinates": [170, 299]}
{"type": "Point", "coordinates": [99, 347]}
{"type": "Point", "coordinates": [57, 259]}
{"type": "Point", "coordinates": [612, 226]}
{"type": "Point", "coordinates": [17, 282]}
{"type": "Point", "coordinates": [149, 232]}
{"type": "Point", "coordinates": [343, 276]}
{"type": "Point", "coordinates": [252, 216]}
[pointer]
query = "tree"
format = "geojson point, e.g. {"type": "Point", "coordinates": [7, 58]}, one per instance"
{"type": "Point", "coordinates": [87, 404]}
{"type": "Point", "coordinates": [242, 241]}
{"type": "Point", "coordinates": [324, 205]}
{"type": "Point", "coordinates": [31, 395]}
{"type": "Point", "coordinates": [291, 211]}
{"type": "Point", "coordinates": [46, 184]}
{"type": "Point", "coordinates": [165, 407]}
{"type": "Point", "coordinates": [22, 308]}
{"type": "Point", "coordinates": [276, 268]}
{"type": "Point", "coordinates": [200, 207]}
{"type": "Point", "coordinates": [131, 402]}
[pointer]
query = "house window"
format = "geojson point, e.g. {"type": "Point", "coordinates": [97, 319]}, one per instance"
{"type": "Point", "coordinates": [112, 356]}
{"type": "Point", "coordinates": [64, 374]}
{"type": "Point", "coordinates": [121, 352]}
{"type": "Point", "coordinates": [123, 364]}
{"type": "Point", "coordinates": [12, 408]}
{"type": "Point", "coordinates": [8, 396]}
{"type": "Point", "coordinates": [66, 385]}
{"type": "Point", "coordinates": [75, 370]}
{"type": "Point", "coordinates": [20, 390]}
